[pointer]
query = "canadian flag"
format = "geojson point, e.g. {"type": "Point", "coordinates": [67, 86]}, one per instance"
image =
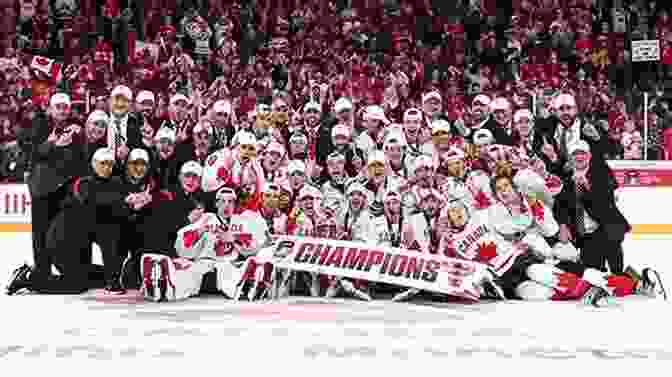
{"type": "Point", "coordinates": [47, 66]}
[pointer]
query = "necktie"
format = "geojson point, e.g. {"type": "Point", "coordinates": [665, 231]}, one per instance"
{"type": "Point", "coordinates": [118, 137]}
{"type": "Point", "coordinates": [564, 135]}
{"type": "Point", "coordinates": [580, 211]}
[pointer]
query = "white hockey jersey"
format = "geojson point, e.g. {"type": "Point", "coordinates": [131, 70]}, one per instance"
{"type": "Point", "coordinates": [480, 243]}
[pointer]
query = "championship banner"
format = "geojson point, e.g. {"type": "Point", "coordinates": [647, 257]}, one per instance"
{"type": "Point", "coordinates": [642, 173]}
{"type": "Point", "coordinates": [396, 266]}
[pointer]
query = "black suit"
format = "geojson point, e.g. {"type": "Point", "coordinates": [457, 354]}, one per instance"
{"type": "Point", "coordinates": [50, 168]}
{"type": "Point", "coordinates": [545, 131]}
{"type": "Point", "coordinates": [498, 133]}
{"type": "Point", "coordinates": [604, 244]}
{"type": "Point", "coordinates": [133, 138]}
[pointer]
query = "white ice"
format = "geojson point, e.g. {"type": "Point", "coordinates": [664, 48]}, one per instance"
{"type": "Point", "coordinates": [334, 335]}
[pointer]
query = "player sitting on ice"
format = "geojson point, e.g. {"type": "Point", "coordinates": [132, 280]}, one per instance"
{"type": "Point", "coordinates": [509, 237]}
{"type": "Point", "coordinates": [224, 242]}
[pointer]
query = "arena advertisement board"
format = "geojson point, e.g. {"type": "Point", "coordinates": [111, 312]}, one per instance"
{"type": "Point", "coordinates": [14, 208]}
{"type": "Point", "coordinates": [631, 173]}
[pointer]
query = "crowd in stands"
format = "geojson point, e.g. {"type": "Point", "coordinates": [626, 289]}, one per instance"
{"type": "Point", "coordinates": [384, 52]}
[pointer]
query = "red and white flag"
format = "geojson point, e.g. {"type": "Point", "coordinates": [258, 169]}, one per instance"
{"type": "Point", "coordinates": [47, 66]}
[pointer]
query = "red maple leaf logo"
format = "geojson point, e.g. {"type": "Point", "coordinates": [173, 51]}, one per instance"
{"type": "Point", "coordinates": [537, 208]}
{"type": "Point", "coordinates": [190, 238]}
{"type": "Point", "coordinates": [481, 200]}
{"type": "Point", "coordinates": [223, 174]}
{"type": "Point", "coordinates": [486, 252]}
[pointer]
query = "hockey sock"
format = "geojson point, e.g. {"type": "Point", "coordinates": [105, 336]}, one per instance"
{"type": "Point", "coordinates": [621, 285]}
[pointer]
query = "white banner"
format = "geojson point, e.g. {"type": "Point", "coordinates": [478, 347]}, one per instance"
{"type": "Point", "coordinates": [646, 50]}
{"type": "Point", "coordinates": [401, 267]}
{"type": "Point", "coordinates": [14, 204]}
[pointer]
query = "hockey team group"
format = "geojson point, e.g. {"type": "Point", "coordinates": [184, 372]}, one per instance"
{"type": "Point", "coordinates": [533, 200]}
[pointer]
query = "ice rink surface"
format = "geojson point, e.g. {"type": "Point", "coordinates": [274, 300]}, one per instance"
{"type": "Point", "coordinates": [304, 336]}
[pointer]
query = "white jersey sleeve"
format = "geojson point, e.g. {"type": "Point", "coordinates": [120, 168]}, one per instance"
{"type": "Point", "coordinates": [250, 231]}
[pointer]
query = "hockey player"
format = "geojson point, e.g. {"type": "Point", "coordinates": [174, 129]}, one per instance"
{"type": "Point", "coordinates": [327, 228]}
{"type": "Point", "coordinates": [472, 187]}
{"type": "Point", "coordinates": [273, 162]}
{"type": "Point", "coordinates": [417, 234]}
{"type": "Point", "coordinates": [226, 242]}
{"type": "Point", "coordinates": [275, 218]}
{"type": "Point", "coordinates": [334, 187]}
{"type": "Point", "coordinates": [422, 178]}
{"type": "Point", "coordinates": [378, 179]}
{"type": "Point", "coordinates": [374, 121]}
{"type": "Point", "coordinates": [357, 222]}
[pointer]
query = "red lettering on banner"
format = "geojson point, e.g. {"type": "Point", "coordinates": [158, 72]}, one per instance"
{"type": "Point", "coordinates": [355, 259]}
{"type": "Point", "coordinates": [375, 258]}
{"type": "Point", "coordinates": [303, 253]}
{"type": "Point", "coordinates": [336, 257]}
{"type": "Point", "coordinates": [414, 268]}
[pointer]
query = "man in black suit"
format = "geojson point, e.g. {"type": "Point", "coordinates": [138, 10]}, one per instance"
{"type": "Point", "coordinates": [124, 131]}
{"type": "Point", "coordinates": [499, 123]}
{"type": "Point", "coordinates": [587, 213]}
{"type": "Point", "coordinates": [56, 154]}
{"type": "Point", "coordinates": [553, 137]}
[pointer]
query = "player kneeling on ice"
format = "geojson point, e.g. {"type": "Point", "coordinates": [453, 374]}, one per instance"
{"type": "Point", "coordinates": [228, 244]}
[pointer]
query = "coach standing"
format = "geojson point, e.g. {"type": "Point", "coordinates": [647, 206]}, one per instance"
{"type": "Point", "coordinates": [56, 155]}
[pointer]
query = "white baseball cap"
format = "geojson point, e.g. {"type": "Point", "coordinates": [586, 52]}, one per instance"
{"type": "Point", "coordinates": [98, 116]}
{"type": "Point", "coordinates": [222, 106]}
{"type": "Point", "coordinates": [564, 99]}
{"type": "Point", "coordinates": [500, 103]}
{"type": "Point", "coordinates": [296, 166]}
{"type": "Point", "coordinates": [59, 99]}
{"type": "Point", "coordinates": [412, 115]}
{"type": "Point", "coordinates": [376, 156]}
{"type": "Point", "coordinates": [103, 154]}
{"type": "Point", "coordinates": [179, 97]}
{"type": "Point", "coordinates": [165, 133]}
{"type": "Point", "coordinates": [579, 146]}
{"type": "Point", "coordinates": [482, 99]}
{"type": "Point", "coordinates": [192, 167]}
{"type": "Point", "coordinates": [138, 154]}
{"type": "Point", "coordinates": [342, 104]}
{"type": "Point", "coordinates": [340, 130]}
{"type": "Point", "coordinates": [122, 90]}
{"type": "Point", "coordinates": [145, 95]}
{"type": "Point", "coordinates": [375, 112]}
{"type": "Point", "coordinates": [246, 138]}
{"type": "Point", "coordinates": [483, 137]}
{"type": "Point", "coordinates": [431, 95]}
{"type": "Point", "coordinates": [440, 125]}
{"type": "Point", "coordinates": [312, 105]}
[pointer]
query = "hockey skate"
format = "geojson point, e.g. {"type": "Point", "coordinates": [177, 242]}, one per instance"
{"type": "Point", "coordinates": [130, 273]}
{"type": "Point", "coordinates": [334, 288]}
{"type": "Point", "coordinates": [651, 284]}
{"type": "Point", "coordinates": [490, 289]}
{"type": "Point", "coordinates": [282, 283]}
{"type": "Point", "coordinates": [113, 287]}
{"type": "Point", "coordinates": [314, 285]}
{"type": "Point", "coordinates": [597, 297]}
{"type": "Point", "coordinates": [154, 284]}
{"type": "Point", "coordinates": [19, 280]}
{"type": "Point", "coordinates": [406, 295]}
{"type": "Point", "coordinates": [348, 287]}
